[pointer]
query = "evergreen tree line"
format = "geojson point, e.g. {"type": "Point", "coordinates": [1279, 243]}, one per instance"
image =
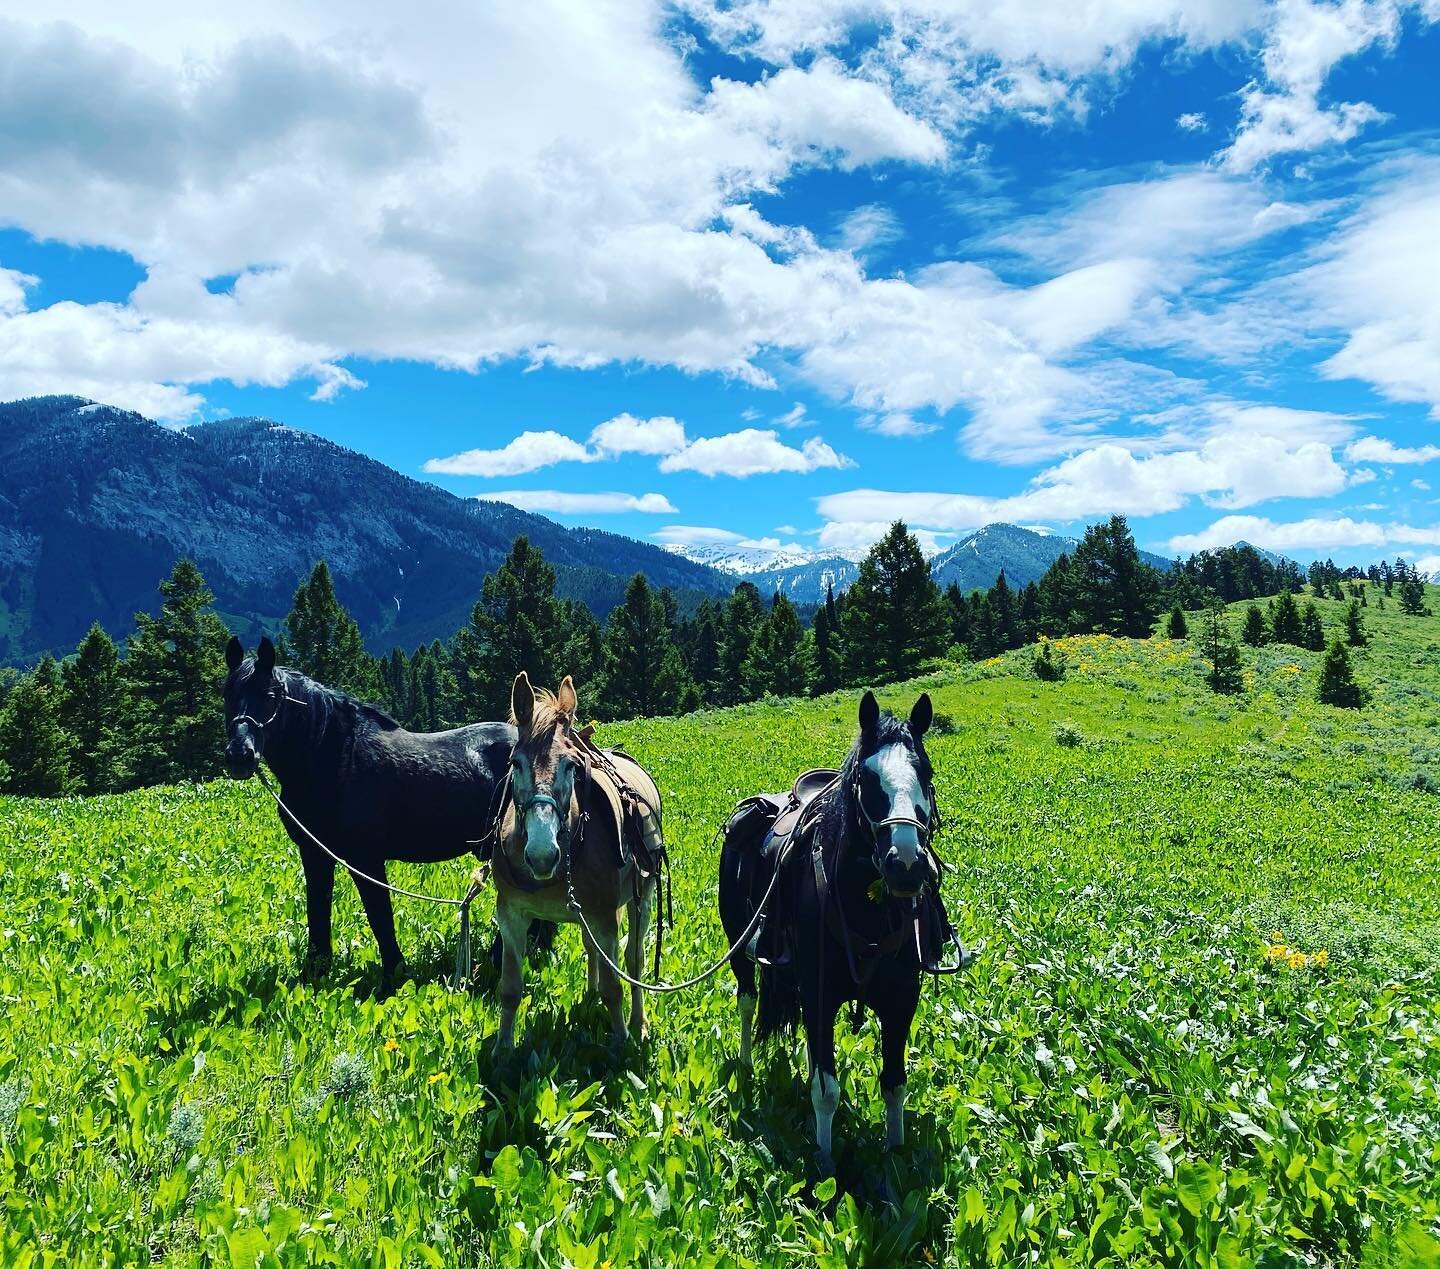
{"type": "Point", "coordinates": [107, 720]}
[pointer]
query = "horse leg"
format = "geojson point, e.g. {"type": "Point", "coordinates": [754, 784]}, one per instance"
{"type": "Point", "coordinates": [607, 939]}
{"type": "Point", "coordinates": [512, 958]}
{"type": "Point", "coordinates": [824, 1085]}
{"type": "Point", "coordinates": [381, 914]}
{"type": "Point", "coordinates": [895, 1021]}
{"type": "Point", "coordinates": [636, 927]}
{"type": "Point", "coordinates": [319, 899]}
{"type": "Point", "coordinates": [592, 965]}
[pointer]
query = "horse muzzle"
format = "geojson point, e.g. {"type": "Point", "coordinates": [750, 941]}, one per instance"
{"type": "Point", "coordinates": [241, 760]}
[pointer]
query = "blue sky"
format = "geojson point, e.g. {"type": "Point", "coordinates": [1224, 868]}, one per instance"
{"type": "Point", "coordinates": [748, 273]}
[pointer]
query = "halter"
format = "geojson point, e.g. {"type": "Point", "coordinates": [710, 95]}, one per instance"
{"type": "Point", "coordinates": [924, 829]}
{"type": "Point", "coordinates": [256, 723]}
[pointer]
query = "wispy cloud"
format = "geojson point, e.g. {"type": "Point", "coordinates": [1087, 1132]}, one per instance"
{"type": "Point", "coordinates": [577, 504]}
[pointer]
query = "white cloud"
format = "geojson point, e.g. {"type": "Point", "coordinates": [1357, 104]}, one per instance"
{"type": "Point", "coordinates": [1303, 42]}
{"type": "Point", "coordinates": [869, 227]}
{"type": "Point", "coordinates": [1375, 449]}
{"type": "Point", "coordinates": [13, 285]}
{"type": "Point", "coordinates": [854, 538]}
{"type": "Point", "coordinates": [529, 451]}
{"type": "Point", "coordinates": [560, 502]}
{"type": "Point", "coordinates": [897, 424]}
{"type": "Point", "coordinates": [1429, 565]}
{"type": "Point", "coordinates": [795, 417]}
{"type": "Point", "coordinates": [696, 535]}
{"type": "Point", "coordinates": [1422, 485]}
{"type": "Point", "coordinates": [625, 434]}
{"type": "Point", "coordinates": [1313, 533]}
{"type": "Point", "coordinates": [1380, 283]}
{"type": "Point", "coordinates": [752, 452]}
{"type": "Point", "coordinates": [1194, 121]}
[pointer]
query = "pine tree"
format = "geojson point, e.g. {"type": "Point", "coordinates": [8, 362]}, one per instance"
{"type": "Point", "coordinates": [1337, 679]}
{"type": "Point", "coordinates": [1312, 629]}
{"type": "Point", "coordinates": [1006, 613]}
{"type": "Point", "coordinates": [895, 617]}
{"type": "Point", "coordinates": [434, 696]}
{"type": "Point", "coordinates": [744, 614]}
{"type": "Point", "coordinates": [96, 714]}
{"type": "Point", "coordinates": [1059, 598]}
{"type": "Point", "coordinates": [395, 684]}
{"type": "Point", "coordinates": [1255, 631]}
{"type": "Point", "coordinates": [827, 660]}
{"type": "Point", "coordinates": [175, 664]}
{"type": "Point", "coordinates": [780, 658]}
{"type": "Point", "coordinates": [323, 640]}
{"type": "Point", "coordinates": [1217, 645]}
{"type": "Point", "coordinates": [1285, 623]}
{"type": "Point", "coordinates": [517, 624]}
{"type": "Point", "coordinates": [1175, 627]}
{"type": "Point", "coordinates": [1117, 593]}
{"type": "Point", "coordinates": [581, 654]}
{"type": "Point", "coordinates": [1412, 589]}
{"type": "Point", "coordinates": [34, 749]}
{"type": "Point", "coordinates": [1355, 634]}
{"type": "Point", "coordinates": [700, 646]}
{"type": "Point", "coordinates": [643, 674]}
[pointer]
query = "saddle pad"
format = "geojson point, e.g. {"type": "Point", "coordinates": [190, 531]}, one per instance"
{"type": "Point", "coordinates": [647, 807]}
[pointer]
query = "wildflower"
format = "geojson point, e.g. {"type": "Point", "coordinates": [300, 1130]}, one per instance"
{"type": "Point", "coordinates": [1276, 936]}
{"type": "Point", "coordinates": [438, 1076]}
{"type": "Point", "coordinates": [391, 1045]}
{"type": "Point", "coordinates": [1276, 951]}
{"type": "Point", "coordinates": [1321, 958]}
{"type": "Point", "coordinates": [1297, 960]}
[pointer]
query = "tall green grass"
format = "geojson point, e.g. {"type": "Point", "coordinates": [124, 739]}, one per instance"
{"type": "Point", "coordinates": [1128, 1075]}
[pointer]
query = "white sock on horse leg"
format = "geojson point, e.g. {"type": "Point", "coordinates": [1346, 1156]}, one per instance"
{"type": "Point", "coordinates": [825, 1098]}
{"type": "Point", "coordinates": [895, 1116]}
{"type": "Point", "coordinates": [746, 1005]}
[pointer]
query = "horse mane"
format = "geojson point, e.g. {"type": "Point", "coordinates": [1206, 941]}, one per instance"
{"type": "Point", "coordinates": [329, 705]}
{"type": "Point", "coordinates": [548, 716]}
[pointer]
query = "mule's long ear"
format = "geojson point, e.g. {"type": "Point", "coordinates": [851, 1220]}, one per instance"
{"type": "Point", "coordinates": [921, 716]}
{"type": "Point", "coordinates": [265, 656]}
{"type": "Point", "coordinates": [566, 698]}
{"type": "Point", "coordinates": [522, 702]}
{"type": "Point", "coordinates": [234, 653]}
{"type": "Point", "coordinates": [869, 713]}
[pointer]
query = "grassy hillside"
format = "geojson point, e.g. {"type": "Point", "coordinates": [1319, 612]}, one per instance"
{"type": "Point", "coordinates": [1133, 1072]}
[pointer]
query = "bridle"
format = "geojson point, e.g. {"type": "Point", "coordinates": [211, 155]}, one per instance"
{"type": "Point", "coordinates": [925, 829]}
{"type": "Point", "coordinates": [255, 723]}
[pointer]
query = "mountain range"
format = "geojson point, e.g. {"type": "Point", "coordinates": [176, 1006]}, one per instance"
{"type": "Point", "coordinates": [97, 503]}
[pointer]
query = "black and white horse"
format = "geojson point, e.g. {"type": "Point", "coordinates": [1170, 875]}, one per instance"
{"type": "Point", "coordinates": [366, 787]}
{"type": "Point", "coordinates": [855, 916]}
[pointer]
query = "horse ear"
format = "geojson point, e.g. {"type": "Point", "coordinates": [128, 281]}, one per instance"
{"type": "Point", "coordinates": [522, 702]}
{"type": "Point", "coordinates": [234, 653]}
{"type": "Point", "coordinates": [869, 712]}
{"type": "Point", "coordinates": [566, 698]}
{"type": "Point", "coordinates": [265, 656]}
{"type": "Point", "coordinates": [921, 716]}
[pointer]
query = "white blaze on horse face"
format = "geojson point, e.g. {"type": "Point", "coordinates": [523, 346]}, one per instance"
{"type": "Point", "coordinates": [904, 794]}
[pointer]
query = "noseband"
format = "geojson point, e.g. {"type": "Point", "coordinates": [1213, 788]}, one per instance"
{"type": "Point", "coordinates": [924, 829]}
{"type": "Point", "coordinates": [256, 723]}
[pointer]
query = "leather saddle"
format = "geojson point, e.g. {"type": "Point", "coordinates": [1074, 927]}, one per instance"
{"type": "Point", "coordinates": [766, 820]}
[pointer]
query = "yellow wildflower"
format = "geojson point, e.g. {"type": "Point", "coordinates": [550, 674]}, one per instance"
{"type": "Point", "coordinates": [1276, 951]}
{"type": "Point", "coordinates": [438, 1076]}
{"type": "Point", "coordinates": [1321, 958]}
{"type": "Point", "coordinates": [1276, 936]}
{"type": "Point", "coordinates": [1297, 960]}
{"type": "Point", "coordinates": [391, 1045]}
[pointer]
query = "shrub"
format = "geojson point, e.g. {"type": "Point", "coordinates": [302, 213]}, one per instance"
{"type": "Point", "coordinates": [1047, 664]}
{"type": "Point", "coordinates": [1255, 632]}
{"type": "Point", "coordinates": [1176, 627]}
{"type": "Point", "coordinates": [1068, 736]}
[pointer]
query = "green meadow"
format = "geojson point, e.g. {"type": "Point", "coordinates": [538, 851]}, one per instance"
{"type": "Point", "coordinates": [1203, 1027]}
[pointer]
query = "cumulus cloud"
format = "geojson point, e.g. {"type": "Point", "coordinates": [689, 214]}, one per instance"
{"type": "Point", "coordinates": [870, 227]}
{"type": "Point", "coordinates": [752, 452]}
{"type": "Point", "coordinates": [1375, 449]}
{"type": "Point", "coordinates": [1313, 533]}
{"type": "Point", "coordinates": [1194, 121]}
{"type": "Point", "coordinates": [529, 451]}
{"type": "Point", "coordinates": [13, 285]}
{"type": "Point", "coordinates": [560, 502]}
{"type": "Point", "coordinates": [625, 434]}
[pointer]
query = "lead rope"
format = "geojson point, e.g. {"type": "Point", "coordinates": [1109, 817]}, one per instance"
{"type": "Point", "coordinates": [462, 957]}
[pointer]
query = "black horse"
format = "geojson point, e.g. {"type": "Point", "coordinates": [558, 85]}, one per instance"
{"type": "Point", "coordinates": [855, 913]}
{"type": "Point", "coordinates": [366, 787]}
